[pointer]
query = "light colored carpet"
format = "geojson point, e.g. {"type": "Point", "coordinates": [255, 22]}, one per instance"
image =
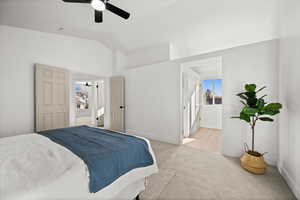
{"type": "Point", "coordinates": [188, 173]}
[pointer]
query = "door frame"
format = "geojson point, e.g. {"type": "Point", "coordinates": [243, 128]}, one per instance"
{"type": "Point", "coordinates": [183, 67]}
{"type": "Point", "coordinates": [84, 77]}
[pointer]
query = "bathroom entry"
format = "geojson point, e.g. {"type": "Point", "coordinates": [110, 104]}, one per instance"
{"type": "Point", "coordinates": [88, 102]}
{"type": "Point", "coordinates": [202, 99]}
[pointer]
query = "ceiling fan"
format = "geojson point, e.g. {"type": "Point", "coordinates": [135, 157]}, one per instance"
{"type": "Point", "coordinates": [100, 6]}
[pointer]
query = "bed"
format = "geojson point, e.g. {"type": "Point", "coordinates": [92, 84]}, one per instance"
{"type": "Point", "coordinates": [45, 166]}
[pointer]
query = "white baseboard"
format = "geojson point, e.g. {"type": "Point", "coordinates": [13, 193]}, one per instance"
{"type": "Point", "coordinates": [271, 162]}
{"type": "Point", "coordinates": [290, 181]}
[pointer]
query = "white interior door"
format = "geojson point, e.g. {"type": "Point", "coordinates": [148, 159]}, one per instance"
{"type": "Point", "coordinates": [186, 105]}
{"type": "Point", "coordinates": [52, 87]}
{"type": "Point", "coordinates": [101, 94]}
{"type": "Point", "coordinates": [117, 103]}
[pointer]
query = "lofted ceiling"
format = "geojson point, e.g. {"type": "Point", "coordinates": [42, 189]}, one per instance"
{"type": "Point", "coordinates": [152, 22]}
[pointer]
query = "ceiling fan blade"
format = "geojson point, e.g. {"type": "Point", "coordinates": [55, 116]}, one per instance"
{"type": "Point", "coordinates": [98, 16]}
{"type": "Point", "coordinates": [77, 1]}
{"type": "Point", "coordinates": [117, 11]}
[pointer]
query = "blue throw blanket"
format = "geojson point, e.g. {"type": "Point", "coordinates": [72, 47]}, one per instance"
{"type": "Point", "coordinates": [107, 154]}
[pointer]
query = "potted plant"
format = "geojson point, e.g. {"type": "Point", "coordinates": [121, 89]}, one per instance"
{"type": "Point", "coordinates": [255, 109]}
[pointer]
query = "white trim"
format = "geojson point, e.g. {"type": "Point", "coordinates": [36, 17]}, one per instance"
{"type": "Point", "coordinates": [181, 109]}
{"type": "Point", "coordinates": [290, 181]}
{"type": "Point", "coordinates": [271, 162]}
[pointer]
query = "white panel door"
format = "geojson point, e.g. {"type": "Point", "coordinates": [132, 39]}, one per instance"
{"type": "Point", "coordinates": [186, 105]}
{"type": "Point", "coordinates": [52, 97]}
{"type": "Point", "coordinates": [101, 94]}
{"type": "Point", "coordinates": [117, 103]}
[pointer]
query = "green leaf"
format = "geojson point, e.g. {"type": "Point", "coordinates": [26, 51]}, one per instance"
{"type": "Point", "coordinates": [245, 117]}
{"type": "Point", "coordinates": [272, 109]}
{"type": "Point", "coordinates": [266, 119]}
{"type": "Point", "coordinates": [250, 94]}
{"type": "Point", "coordinates": [235, 117]}
{"type": "Point", "coordinates": [261, 89]}
{"type": "Point", "coordinates": [269, 112]}
{"type": "Point", "coordinates": [260, 103]}
{"type": "Point", "coordinates": [263, 96]}
{"type": "Point", "coordinates": [243, 103]}
{"type": "Point", "coordinates": [273, 106]}
{"type": "Point", "coordinates": [256, 106]}
{"type": "Point", "coordinates": [252, 102]}
{"type": "Point", "coordinates": [250, 87]}
{"type": "Point", "coordinates": [242, 93]}
{"type": "Point", "coordinates": [242, 96]}
{"type": "Point", "coordinates": [250, 111]}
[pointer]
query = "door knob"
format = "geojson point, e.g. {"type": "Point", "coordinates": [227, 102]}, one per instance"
{"type": "Point", "coordinates": [122, 107]}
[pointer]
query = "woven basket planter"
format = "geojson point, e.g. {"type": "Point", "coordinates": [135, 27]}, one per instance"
{"type": "Point", "coordinates": [254, 164]}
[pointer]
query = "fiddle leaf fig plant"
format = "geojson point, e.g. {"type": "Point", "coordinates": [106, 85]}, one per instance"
{"type": "Point", "coordinates": [256, 109]}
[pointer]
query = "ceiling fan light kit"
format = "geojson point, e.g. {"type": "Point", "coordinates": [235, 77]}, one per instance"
{"type": "Point", "coordinates": [98, 5]}
{"type": "Point", "coordinates": [101, 5]}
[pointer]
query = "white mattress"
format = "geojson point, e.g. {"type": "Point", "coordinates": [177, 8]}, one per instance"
{"type": "Point", "coordinates": [32, 167]}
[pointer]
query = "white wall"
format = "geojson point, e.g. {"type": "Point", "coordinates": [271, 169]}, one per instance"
{"type": "Point", "coordinates": [148, 55]}
{"type": "Point", "coordinates": [224, 25]}
{"type": "Point", "coordinates": [153, 97]}
{"type": "Point", "coordinates": [152, 101]}
{"type": "Point", "coordinates": [119, 62]}
{"type": "Point", "coordinates": [19, 50]}
{"type": "Point", "coordinates": [289, 126]}
{"type": "Point", "coordinates": [255, 63]}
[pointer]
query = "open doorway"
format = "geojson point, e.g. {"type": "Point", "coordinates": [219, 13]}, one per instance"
{"type": "Point", "coordinates": [88, 100]}
{"type": "Point", "coordinates": [202, 99]}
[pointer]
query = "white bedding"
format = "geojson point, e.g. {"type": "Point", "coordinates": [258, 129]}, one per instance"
{"type": "Point", "coordinates": [32, 167]}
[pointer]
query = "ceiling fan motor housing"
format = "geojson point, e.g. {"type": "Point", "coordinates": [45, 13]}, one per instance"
{"type": "Point", "coordinates": [99, 8]}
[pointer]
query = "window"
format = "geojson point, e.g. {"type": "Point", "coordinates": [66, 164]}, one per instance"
{"type": "Point", "coordinates": [212, 90]}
